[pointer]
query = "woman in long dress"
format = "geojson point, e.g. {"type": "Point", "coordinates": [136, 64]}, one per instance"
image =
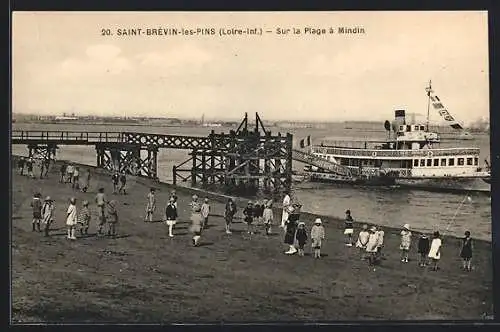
{"type": "Point", "coordinates": [291, 228]}
{"type": "Point", "coordinates": [287, 208]}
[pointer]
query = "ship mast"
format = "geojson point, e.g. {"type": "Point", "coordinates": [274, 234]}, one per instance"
{"type": "Point", "coordinates": [429, 91]}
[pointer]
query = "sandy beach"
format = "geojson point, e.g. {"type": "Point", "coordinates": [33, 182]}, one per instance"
{"type": "Point", "coordinates": [144, 276]}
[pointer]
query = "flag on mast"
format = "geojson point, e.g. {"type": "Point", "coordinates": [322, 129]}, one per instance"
{"type": "Point", "coordinates": [443, 112]}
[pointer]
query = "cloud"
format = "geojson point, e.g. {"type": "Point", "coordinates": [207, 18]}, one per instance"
{"type": "Point", "coordinates": [100, 60]}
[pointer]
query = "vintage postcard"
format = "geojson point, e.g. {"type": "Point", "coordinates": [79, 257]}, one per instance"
{"type": "Point", "coordinates": [193, 167]}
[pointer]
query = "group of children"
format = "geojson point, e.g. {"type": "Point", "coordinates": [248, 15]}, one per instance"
{"type": "Point", "coordinates": [77, 219]}
{"type": "Point", "coordinates": [70, 173]}
{"type": "Point", "coordinates": [370, 241]}
{"type": "Point", "coordinates": [370, 244]}
{"type": "Point", "coordinates": [119, 181]}
{"type": "Point", "coordinates": [29, 164]}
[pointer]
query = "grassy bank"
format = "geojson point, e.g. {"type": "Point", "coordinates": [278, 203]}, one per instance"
{"type": "Point", "coordinates": [145, 276]}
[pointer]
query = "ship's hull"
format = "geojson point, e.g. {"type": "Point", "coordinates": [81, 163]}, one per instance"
{"type": "Point", "coordinates": [442, 184]}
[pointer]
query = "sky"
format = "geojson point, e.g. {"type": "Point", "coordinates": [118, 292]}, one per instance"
{"type": "Point", "coordinates": [61, 62]}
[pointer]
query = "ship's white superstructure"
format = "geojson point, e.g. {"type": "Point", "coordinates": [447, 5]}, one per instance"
{"type": "Point", "coordinates": [412, 157]}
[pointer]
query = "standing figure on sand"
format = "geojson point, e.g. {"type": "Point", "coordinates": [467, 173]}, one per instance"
{"type": "Point", "coordinates": [115, 178]}
{"type": "Point", "coordinates": [267, 216]}
{"type": "Point", "coordinates": [36, 204]}
{"type": "Point", "coordinates": [196, 220]}
{"type": "Point", "coordinates": [435, 251]}
{"type": "Point", "coordinates": [248, 212]}
{"type": "Point", "coordinates": [362, 241]}
{"type": "Point", "coordinates": [348, 228]}
{"type": "Point", "coordinates": [101, 201]}
{"type": "Point", "coordinates": [286, 209]}
{"type": "Point", "coordinates": [371, 246]}
{"type": "Point", "coordinates": [291, 228]}
{"type": "Point", "coordinates": [84, 218]}
{"type": "Point", "coordinates": [424, 245]}
{"type": "Point", "coordinates": [47, 215]}
{"type": "Point", "coordinates": [229, 213]}
{"type": "Point", "coordinates": [405, 243]}
{"type": "Point", "coordinates": [112, 218]}
{"type": "Point", "coordinates": [171, 216]}
{"type": "Point", "coordinates": [123, 183]}
{"type": "Point", "coordinates": [466, 252]}
{"type": "Point", "coordinates": [205, 212]}
{"type": "Point", "coordinates": [317, 237]}
{"type": "Point", "coordinates": [71, 218]}
{"type": "Point", "coordinates": [150, 205]}
{"type": "Point", "coordinates": [301, 236]}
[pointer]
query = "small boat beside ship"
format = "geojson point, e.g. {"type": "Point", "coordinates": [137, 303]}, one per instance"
{"type": "Point", "coordinates": [412, 158]}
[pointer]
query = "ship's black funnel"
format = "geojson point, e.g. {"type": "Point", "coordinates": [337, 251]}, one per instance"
{"type": "Point", "coordinates": [399, 116]}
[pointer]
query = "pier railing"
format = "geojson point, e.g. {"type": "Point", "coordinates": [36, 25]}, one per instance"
{"type": "Point", "coordinates": [376, 153]}
{"type": "Point", "coordinates": [65, 137]}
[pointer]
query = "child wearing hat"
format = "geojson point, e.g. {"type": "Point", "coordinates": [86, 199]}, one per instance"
{"type": "Point", "coordinates": [205, 211]}
{"type": "Point", "coordinates": [112, 218]}
{"type": "Point", "coordinates": [71, 218]}
{"type": "Point", "coordinates": [36, 204]}
{"type": "Point", "coordinates": [173, 195]}
{"type": "Point", "coordinates": [47, 214]}
{"type": "Point", "coordinates": [301, 237]}
{"type": "Point", "coordinates": [248, 212]}
{"type": "Point", "coordinates": [171, 216]}
{"type": "Point", "coordinates": [424, 245]}
{"type": "Point", "coordinates": [466, 251]}
{"type": "Point", "coordinates": [267, 216]}
{"type": "Point", "coordinates": [150, 205]}
{"type": "Point", "coordinates": [317, 237]}
{"type": "Point", "coordinates": [405, 243]}
{"type": "Point", "coordinates": [84, 218]}
{"type": "Point", "coordinates": [371, 246]}
{"type": "Point", "coordinates": [435, 250]}
{"type": "Point", "coordinates": [362, 241]}
{"type": "Point", "coordinates": [348, 228]}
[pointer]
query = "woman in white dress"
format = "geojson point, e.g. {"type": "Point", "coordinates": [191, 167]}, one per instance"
{"type": "Point", "coordinates": [286, 210]}
{"type": "Point", "coordinates": [435, 251]}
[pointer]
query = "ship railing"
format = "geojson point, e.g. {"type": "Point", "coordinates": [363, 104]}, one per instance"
{"type": "Point", "coordinates": [374, 153]}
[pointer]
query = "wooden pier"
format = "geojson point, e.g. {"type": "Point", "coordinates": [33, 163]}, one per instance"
{"type": "Point", "coordinates": [245, 158]}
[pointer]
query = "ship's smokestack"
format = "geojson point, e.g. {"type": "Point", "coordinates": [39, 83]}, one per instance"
{"type": "Point", "coordinates": [399, 117]}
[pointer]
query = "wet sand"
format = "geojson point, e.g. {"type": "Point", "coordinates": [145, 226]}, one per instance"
{"type": "Point", "coordinates": [144, 276]}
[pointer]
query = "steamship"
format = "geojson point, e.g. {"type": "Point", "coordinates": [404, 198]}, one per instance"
{"type": "Point", "coordinates": [412, 158]}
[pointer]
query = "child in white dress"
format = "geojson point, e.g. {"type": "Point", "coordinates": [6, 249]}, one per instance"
{"type": "Point", "coordinates": [435, 251]}
{"type": "Point", "coordinates": [362, 241]}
